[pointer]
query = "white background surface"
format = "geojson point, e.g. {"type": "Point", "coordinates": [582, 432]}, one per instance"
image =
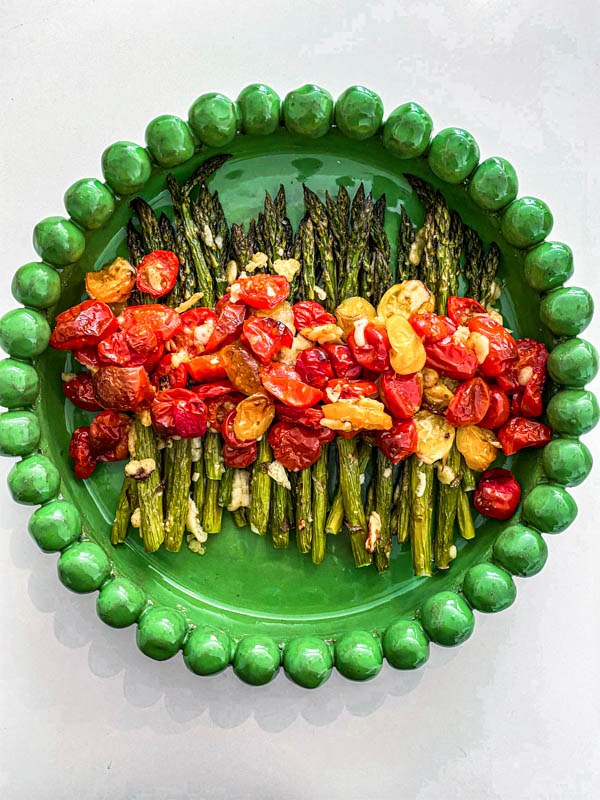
{"type": "Point", "coordinates": [514, 712]}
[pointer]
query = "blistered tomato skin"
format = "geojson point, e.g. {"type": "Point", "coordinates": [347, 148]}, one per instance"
{"type": "Point", "coordinates": [341, 389]}
{"type": "Point", "coordinates": [374, 354]}
{"type": "Point", "coordinates": [157, 273]}
{"type": "Point", "coordinates": [402, 394]}
{"type": "Point", "coordinates": [263, 291]}
{"type": "Point", "coordinates": [497, 494]}
{"type": "Point", "coordinates": [136, 347]}
{"type": "Point", "coordinates": [207, 367]}
{"type": "Point", "coordinates": [166, 376]}
{"type": "Point", "coordinates": [122, 388]}
{"type": "Point", "coordinates": [113, 283]}
{"type": "Point", "coordinates": [214, 389]}
{"type": "Point", "coordinates": [432, 327]}
{"type": "Point", "coordinates": [82, 325]}
{"type": "Point", "coordinates": [309, 314]}
{"type": "Point", "coordinates": [239, 457]}
{"type": "Point", "coordinates": [399, 442]}
{"type": "Point", "coordinates": [80, 391]}
{"type": "Point", "coordinates": [217, 409]}
{"type": "Point", "coordinates": [284, 383]}
{"type": "Point", "coordinates": [197, 327]}
{"type": "Point", "coordinates": [84, 462]}
{"type": "Point", "coordinates": [451, 359]}
{"type": "Point", "coordinates": [228, 432]}
{"type": "Point", "coordinates": [502, 346]}
{"type": "Point", "coordinates": [527, 375]}
{"type": "Point", "coordinates": [314, 367]}
{"type": "Point", "coordinates": [309, 417]}
{"type": "Point", "coordinates": [294, 446]}
{"type": "Point", "coordinates": [109, 436]}
{"type": "Point", "coordinates": [343, 362]}
{"type": "Point", "coordinates": [266, 337]}
{"type": "Point", "coordinates": [498, 411]}
{"type": "Point", "coordinates": [461, 310]}
{"type": "Point", "coordinates": [243, 369]}
{"type": "Point", "coordinates": [178, 412]}
{"type": "Point", "coordinates": [520, 432]}
{"type": "Point", "coordinates": [88, 356]}
{"type": "Point", "coordinates": [164, 321]}
{"type": "Point", "coordinates": [469, 404]}
{"type": "Point", "coordinates": [229, 325]}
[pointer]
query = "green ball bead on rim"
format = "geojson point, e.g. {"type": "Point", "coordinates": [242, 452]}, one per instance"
{"type": "Point", "coordinates": [161, 632]}
{"type": "Point", "coordinates": [567, 461]}
{"type": "Point", "coordinates": [526, 222]}
{"type": "Point", "coordinates": [19, 383]}
{"type": "Point", "coordinates": [90, 203]}
{"type": "Point", "coordinates": [169, 140]}
{"type": "Point", "coordinates": [358, 655]}
{"type": "Point", "coordinates": [405, 644]}
{"type": "Point", "coordinates": [567, 311]}
{"type": "Point", "coordinates": [260, 109]}
{"type": "Point", "coordinates": [207, 650]}
{"type": "Point", "coordinates": [489, 588]}
{"type": "Point", "coordinates": [308, 111]}
{"type": "Point", "coordinates": [214, 119]}
{"type": "Point", "coordinates": [494, 184]}
{"type": "Point", "coordinates": [257, 659]}
{"type": "Point", "coordinates": [573, 363]}
{"type": "Point", "coordinates": [308, 661]}
{"type": "Point", "coordinates": [58, 241]}
{"type": "Point", "coordinates": [19, 433]}
{"type": "Point", "coordinates": [407, 131]}
{"type": "Point", "coordinates": [453, 155]}
{"type": "Point", "coordinates": [126, 167]}
{"type": "Point", "coordinates": [83, 567]}
{"type": "Point", "coordinates": [549, 508]}
{"type": "Point", "coordinates": [36, 284]}
{"type": "Point", "coordinates": [548, 265]}
{"type": "Point", "coordinates": [521, 550]}
{"type": "Point", "coordinates": [55, 525]}
{"type": "Point", "coordinates": [120, 602]}
{"type": "Point", "coordinates": [34, 480]}
{"type": "Point", "coordinates": [359, 113]}
{"type": "Point", "coordinates": [447, 619]}
{"type": "Point", "coordinates": [573, 412]}
{"type": "Point", "coordinates": [24, 333]}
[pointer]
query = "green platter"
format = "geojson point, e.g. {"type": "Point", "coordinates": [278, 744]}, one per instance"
{"type": "Point", "coordinates": [244, 602]}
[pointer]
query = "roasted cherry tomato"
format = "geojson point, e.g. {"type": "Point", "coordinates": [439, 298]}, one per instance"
{"type": "Point", "coordinates": [228, 327]}
{"type": "Point", "coordinates": [222, 302]}
{"type": "Point", "coordinates": [515, 405]}
{"type": "Point", "coordinates": [402, 394]}
{"type": "Point", "coordinates": [79, 389]}
{"type": "Point", "coordinates": [341, 389]}
{"type": "Point", "coordinates": [157, 273]}
{"type": "Point", "coordinates": [208, 367]}
{"type": "Point", "coordinates": [243, 369]}
{"type": "Point", "coordinates": [82, 325]}
{"type": "Point", "coordinates": [314, 367]}
{"type": "Point", "coordinates": [122, 388]}
{"type": "Point", "coordinates": [263, 291]}
{"type": "Point", "coordinates": [164, 321]}
{"type": "Point", "coordinates": [166, 376]}
{"type": "Point", "coordinates": [294, 446]}
{"type": "Point", "coordinates": [503, 348]}
{"type": "Point", "coordinates": [308, 314]}
{"type": "Point", "coordinates": [88, 356]}
{"type": "Point", "coordinates": [343, 362]}
{"type": "Point", "coordinates": [451, 359]}
{"type": "Point", "coordinates": [520, 432]}
{"type": "Point", "coordinates": [81, 452]}
{"type": "Point", "coordinates": [309, 417]}
{"type": "Point", "coordinates": [469, 404]}
{"type": "Point", "coordinates": [461, 310]}
{"type": "Point", "coordinates": [136, 347]}
{"type": "Point", "coordinates": [374, 353]}
{"type": "Point", "coordinates": [215, 389]}
{"type": "Point", "coordinates": [497, 494]}
{"type": "Point", "coordinates": [228, 433]}
{"type": "Point", "coordinates": [285, 384]}
{"type": "Point", "coordinates": [178, 412]}
{"type": "Point", "coordinates": [217, 408]}
{"type": "Point", "coordinates": [239, 457]}
{"type": "Point", "coordinates": [253, 416]}
{"type": "Point", "coordinates": [109, 435]}
{"type": "Point", "coordinates": [432, 327]}
{"type": "Point", "coordinates": [111, 284]}
{"type": "Point", "coordinates": [399, 442]}
{"type": "Point", "coordinates": [266, 337]}
{"type": "Point", "coordinates": [498, 411]}
{"type": "Point", "coordinates": [528, 375]}
{"type": "Point", "coordinates": [197, 326]}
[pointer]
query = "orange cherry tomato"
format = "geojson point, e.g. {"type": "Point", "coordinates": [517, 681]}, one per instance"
{"type": "Point", "coordinates": [308, 314]}
{"type": "Point", "coordinates": [209, 367]}
{"type": "Point", "coordinates": [374, 354]}
{"type": "Point", "coordinates": [432, 327]}
{"type": "Point", "coordinates": [461, 310]}
{"type": "Point", "coordinates": [82, 325]}
{"type": "Point", "coordinates": [266, 337]}
{"type": "Point", "coordinates": [399, 442]}
{"type": "Point", "coordinates": [520, 432]}
{"type": "Point", "coordinates": [263, 291]}
{"type": "Point", "coordinates": [498, 411]}
{"type": "Point", "coordinates": [80, 391]}
{"type": "Point", "coordinates": [164, 321]}
{"type": "Point", "coordinates": [503, 348]}
{"type": "Point", "coordinates": [497, 494]}
{"type": "Point", "coordinates": [109, 435]}
{"type": "Point", "coordinates": [285, 384]}
{"type": "Point", "coordinates": [84, 461]}
{"type": "Point", "coordinates": [314, 367]}
{"type": "Point", "coordinates": [243, 369]}
{"type": "Point", "coordinates": [402, 394]}
{"type": "Point", "coordinates": [469, 404]}
{"type": "Point", "coordinates": [122, 388]}
{"type": "Point", "coordinates": [157, 273]}
{"type": "Point", "coordinates": [294, 446]}
{"type": "Point", "coordinates": [451, 359]}
{"type": "Point", "coordinates": [111, 284]}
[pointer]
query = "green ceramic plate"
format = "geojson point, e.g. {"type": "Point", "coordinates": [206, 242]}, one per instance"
{"type": "Point", "coordinates": [244, 602]}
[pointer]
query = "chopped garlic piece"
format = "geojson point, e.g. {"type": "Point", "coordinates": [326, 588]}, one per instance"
{"type": "Point", "coordinates": [387, 472]}
{"type": "Point", "coordinates": [374, 533]}
{"type": "Point", "coordinates": [480, 345]}
{"type": "Point", "coordinates": [452, 552]}
{"type": "Point", "coordinates": [136, 518]}
{"type": "Point", "coordinates": [287, 267]}
{"type": "Point", "coordinates": [196, 448]}
{"type": "Point", "coordinates": [277, 472]}
{"type": "Point", "coordinates": [207, 236]}
{"type": "Point", "coordinates": [178, 358]}
{"type": "Point", "coordinates": [289, 355]}
{"type": "Point", "coordinates": [232, 271]}
{"type": "Point", "coordinates": [240, 490]}
{"type": "Point", "coordinates": [195, 477]}
{"type": "Point", "coordinates": [66, 377]}
{"type": "Point", "coordinates": [234, 293]}
{"type": "Point", "coordinates": [421, 485]}
{"type": "Point", "coordinates": [321, 293]}
{"type": "Point", "coordinates": [202, 333]}
{"type": "Point", "coordinates": [417, 247]}
{"type": "Point", "coordinates": [131, 440]}
{"type": "Point", "coordinates": [140, 470]}
{"type": "Point", "coordinates": [192, 522]}
{"type": "Point", "coordinates": [144, 417]}
{"type": "Point", "coordinates": [461, 334]}
{"type": "Point", "coordinates": [195, 546]}
{"type": "Point", "coordinates": [446, 474]}
{"type": "Point", "coordinates": [336, 424]}
{"type": "Point", "coordinates": [359, 331]}
{"type": "Point", "coordinates": [496, 316]}
{"type": "Point", "coordinates": [324, 334]}
{"type": "Point", "coordinates": [258, 261]}
{"type": "Point", "coordinates": [191, 301]}
{"type": "Point", "coordinates": [525, 375]}
{"type": "Point", "coordinates": [333, 394]}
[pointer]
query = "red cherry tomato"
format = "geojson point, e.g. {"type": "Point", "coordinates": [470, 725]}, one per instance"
{"type": "Point", "coordinates": [314, 367]}
{"type": "Point", "coordinates": [228, 432]}
{"type": "Point", "coordinates": [285, 384]}
{"type": "Point", "coordinates": [239, 457]}
{"type": "Point", "coordinates": [528, 375]}
{"type": "Point", "coordinates": [109, 436]}
{"type": "Point", "coordinates": [197, 327]}
{"type": "Point", "coordinates": [215, 389]}
{"type": "Point", "coordinates": [432, 327]}
{"type": "Point", "coordinates": [178, 412]}
{"type": "Point", "coordinates": [263, 291]}
{"type": "Point", "coordinates": [217, 408]}
{"type": "Point", "coordinates": [221, 302]}
{"type": "Point", "coordinates": [122, 388]}
{"type": "Point", "coordinates": [503, 348]}
{"type": "Point", "coordinates": [209, 367]}
{"type": "Point", "coordinates": [399, 442]}
{"type": "Point", "coordinates": [157, 273]}
{"type": "Point", "coordinates": [164, 321]}
{"type": "Point", "coordinates": [136, 347]}
{"type": "Point", "coordinates": [308, 314]}
{"type": "Point", "coordinates": [308, 417]}
{"type": "Point", "coordinates": [88, 356]}
{"type": "Point", "coordinates": [461, 310]}
{"type": "Point", "coordinates": [80, 391]}
{"type": "Point", "coordinates": [497, 494]}
{"type": "Point", "coordinates": [343, 362]}
{"type": "Point", "coordinates": [83, 325]}
{"type": "Point", "coordinates": [520, 432]}
{"type": "Point", "coordinates": [498, 411]}
{"type": "Point", "coordinates": [294, 446]}
{"type": "Point", "coordinates": [266, 337]}
{"type": "Point", "coordinates": [228, 327]}
{"type": "Point", "coordinates": [341, 389]}
{"type": "Point", "coordinates": [402, 394]}
{"type": "Point", "coordinates": [374, 354]}
{"type": "Point", "coordinates": [81, 453]}
{"type": "Point", "coordinates": [451, 359]}
{"type": "Point", "coordinates": [166, 376]}
{"type": "Point", "coordinates": [469, 404]}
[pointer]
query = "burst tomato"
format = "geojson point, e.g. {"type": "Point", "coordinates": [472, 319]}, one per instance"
{"type": "Point", "coordinates": [228, 326]}
{"type": "Point", "coordinates": [266, 337]}
{"type": "Point", "coordinates": [80, 391]}
{"type": "Point", "coordinates": [111, 284]}
{"type": "Point", "coordinates": [164, 321]}
{"type": "Point", "coordinates": [294, 446]}
{"type": "Point", "coordinates": [122, 388]}
{"type": "Point", "coordinates": [520, 432]}
{"type": "Point", "coordinates": [461, 310]}
{"type": "Point", "coordinates": [136, 347]}
{"type": "Point", "coordinates": [109, 436]}
{"type": "Point", "coordinates": [88, 356]}
{"type": "Point", "coordinates": [217, 408]}
{"type": "Point", "coordinates": [527, 375]}
{"type": "Point", "coordinates": [243, 369]}
{"type": "Point", "coordinates": [157, 273]}
{"type": "Point", "coordinates": [197, 327]}
{"type": "Point", "coordinates": [402, 394]}
{"type": "Point", "coordinates": [432, 327]}
{"type": "Point", "coordinates": [263, 291]}
{"type": "Point", "coordinates": [314, 367]}
{"type": "Point", "coordinates": [497, 494]}
{"type": "Point", "coordinates": [285, 384]}
{"type": "Point", "coordinates": [308, 314]}
{"type": "Point", "coordinates": [228, 432]}
{"type": "Point", "coordinates": [178, 412]}
{"type": "Point", "coordinates": [82, 325]}
{"type": "Point", "coordinates": [498, 411]}
{"type": "Point", "coordinates": [341, 389]}
{"type": "Point", "coordinates": [343, 362]}
{"type": "Point", "coordinates": [215, 389]}
{"type": "Point", "coordinates": [166, 376]}
{"type": "Point", "coordinates": [399, 442]}
{"type": "Point", "coordinates": [239, 457]}
{"type": "Point", "coordinates": [81, 453]}
{"type": "Point", "coordinates": [451, 359]}
{"type": "Point", "coordinates": [209, 367]}
{"type": "Point", "coordinates": [502, 346]}
{"type": "Point", "coordinates": [374, 353]}
{"type": "Point", "coordinates": [308, 417]}
{"type": "Point", "coordinates": [469, 404]}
